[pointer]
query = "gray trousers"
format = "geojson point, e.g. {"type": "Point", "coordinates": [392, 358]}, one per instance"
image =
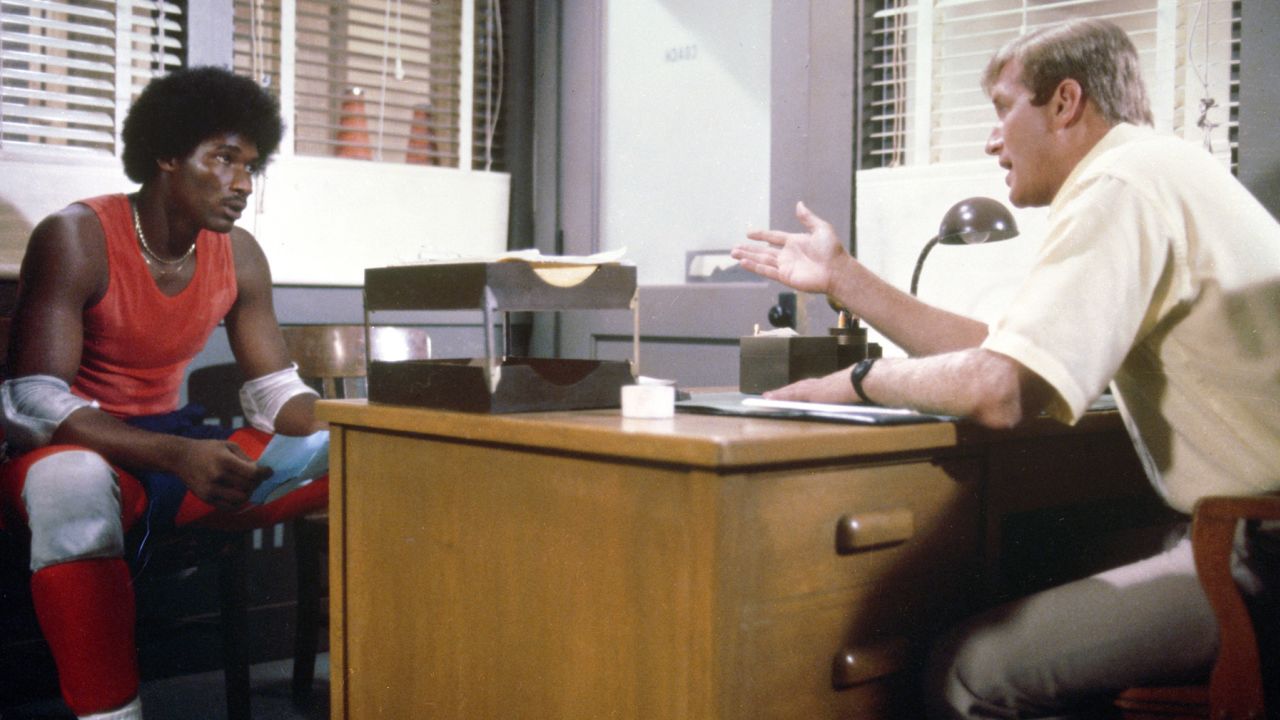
{"type": "Point", "coordinates": [1066, 652]}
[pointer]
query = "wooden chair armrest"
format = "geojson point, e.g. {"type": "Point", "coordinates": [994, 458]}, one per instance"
{"type": "Point", "coordinates": [1235, 685]}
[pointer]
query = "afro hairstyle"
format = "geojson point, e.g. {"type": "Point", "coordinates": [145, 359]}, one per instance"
{"type": "Point", "coordinates": [177, 112]}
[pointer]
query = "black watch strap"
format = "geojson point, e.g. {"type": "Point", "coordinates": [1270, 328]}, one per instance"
{"type": "Point", "coordinates": [856, 375]}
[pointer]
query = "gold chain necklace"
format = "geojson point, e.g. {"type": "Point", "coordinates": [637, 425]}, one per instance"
{"type": "Point", "coordinates": [150, 256]}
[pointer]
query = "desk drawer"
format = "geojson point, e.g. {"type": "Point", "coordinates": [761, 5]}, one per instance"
{"type": "Point", "coordinates": [842, 528]}
{"type": "Point", "coordinates": [843, 655]}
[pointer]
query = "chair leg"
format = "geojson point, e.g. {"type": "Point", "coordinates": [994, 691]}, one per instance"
{"type": "Point", "coordinates": [310, 538]}
{"type": "Point", "coordinates": [233, 586]}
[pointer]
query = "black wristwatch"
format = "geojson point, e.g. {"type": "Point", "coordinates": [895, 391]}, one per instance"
{"type": "Point", "coordinates": [856, 375]}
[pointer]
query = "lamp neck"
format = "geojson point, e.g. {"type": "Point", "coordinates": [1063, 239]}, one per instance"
{"type": "Point", "coordinates": [924, 253]}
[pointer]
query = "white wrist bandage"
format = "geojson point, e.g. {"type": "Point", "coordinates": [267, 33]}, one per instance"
{"type": "Point", "coordinates": [261, 398]}
{"type": "Point", "coordinates": [34, 407]}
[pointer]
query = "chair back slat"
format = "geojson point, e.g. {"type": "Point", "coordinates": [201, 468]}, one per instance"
{"type": "Point", "coordinates": [335, 354]}
{"type": "Point", "coordinates": [326, 351]}
{"type": "Point", "coordinates": [392, 342]}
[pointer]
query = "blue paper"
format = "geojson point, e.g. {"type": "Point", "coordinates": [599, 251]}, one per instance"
{"type": "Point", "coordinates": [294, 462]}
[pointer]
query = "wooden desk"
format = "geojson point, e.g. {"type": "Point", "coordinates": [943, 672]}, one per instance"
{"type": "Point", "coordinates": [582, 565]}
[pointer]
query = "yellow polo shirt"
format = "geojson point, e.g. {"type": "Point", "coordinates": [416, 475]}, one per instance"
{"type": "Point", "coordinates": [1160, 274]}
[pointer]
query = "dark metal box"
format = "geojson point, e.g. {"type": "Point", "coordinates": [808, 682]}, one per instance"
{"type": "Point", "coordinates": [767, 362]}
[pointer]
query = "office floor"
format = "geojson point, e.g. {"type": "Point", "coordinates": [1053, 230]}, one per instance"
{"type": "Point", "coordinates": [200, 697]}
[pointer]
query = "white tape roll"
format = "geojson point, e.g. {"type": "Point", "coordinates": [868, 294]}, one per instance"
{"type": "Point", "coordinates": [648, 401]}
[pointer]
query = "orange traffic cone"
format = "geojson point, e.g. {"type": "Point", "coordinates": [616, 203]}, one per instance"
{"type": "Point", "coordinates": [353, 137]}
{"type": "Point", "coordinates": [423, 149]}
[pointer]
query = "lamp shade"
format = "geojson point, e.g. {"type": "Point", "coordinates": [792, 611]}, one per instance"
{"type": "Point", "coordinates": [969, 222]}
{"type": "Point", "coordinates": [976, 220]}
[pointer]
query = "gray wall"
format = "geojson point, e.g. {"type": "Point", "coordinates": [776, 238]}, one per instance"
{"type": "Point", "coordinates": [811, 147]}
{"type": "Point", "coordinates": [690, 332]}
{"type": "Point", "coordinates": [1260, 101]}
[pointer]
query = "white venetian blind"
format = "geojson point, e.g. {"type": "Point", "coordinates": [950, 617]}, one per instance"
{"type": "Point", "coordinates": [923, 98]}
{"type": "Point", "coordinates": [886, 117]}
{"type": "Point", "coordinates": [373, 80]}
{"type": "Point", "coordinates": [70, 70]}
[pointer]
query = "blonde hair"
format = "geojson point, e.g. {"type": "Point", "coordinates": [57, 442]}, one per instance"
{"type": "Point", "coordinates": [1095, 53]}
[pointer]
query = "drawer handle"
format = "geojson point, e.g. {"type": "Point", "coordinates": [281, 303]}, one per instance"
{"type": "Point", "coordinates": [854, 666]}
{"type": "Point", "coordinates": [855, 533]}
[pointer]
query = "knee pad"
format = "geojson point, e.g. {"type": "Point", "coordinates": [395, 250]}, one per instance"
{"type": "Point", "coordinates": [73, 509]}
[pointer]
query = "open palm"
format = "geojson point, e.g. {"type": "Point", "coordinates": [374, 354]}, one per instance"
{"type": "Point", "coordinates": [801, 260]}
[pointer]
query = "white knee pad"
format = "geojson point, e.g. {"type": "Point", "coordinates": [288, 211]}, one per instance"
{"type": "Point", "coordinates": [73, 509]}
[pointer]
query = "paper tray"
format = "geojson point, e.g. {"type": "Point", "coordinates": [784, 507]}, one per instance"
{"type": "Point", "coordinates": [501, 285]}
{"type": "Point", "coordinates": [513, 385]}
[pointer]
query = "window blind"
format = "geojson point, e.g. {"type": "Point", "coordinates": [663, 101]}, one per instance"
{"type": "Point", "coordinates": [380, 80]}
{"type": "Point", "coordinates": [887, 123]}
{"type": "Point", "coordinates": [70, 70]}
{"type": "Point", "coordinates": [922, 96]}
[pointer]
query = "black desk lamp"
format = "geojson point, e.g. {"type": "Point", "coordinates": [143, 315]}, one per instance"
{"type": "Point", "coordinates": [969, 222]}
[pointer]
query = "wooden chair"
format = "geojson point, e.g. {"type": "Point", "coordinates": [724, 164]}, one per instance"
{"type": "Point", "coordinates": [332, 357]}
{"type": "Point", "coordinates": [216, 388]}
{"type": "Point", "coordinates": [1236, 688]}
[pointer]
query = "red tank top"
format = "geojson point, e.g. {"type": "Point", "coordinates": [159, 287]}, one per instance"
{"type": "Point", "coordinates": [137, 340]}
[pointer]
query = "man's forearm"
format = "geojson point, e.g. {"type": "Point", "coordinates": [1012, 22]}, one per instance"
{"type": "Point", "coordinates": [917, 327]}
{"type": "Point", "coordinates": [298, 417]}
{"type": "Point", "coordinates": [978, 384]}
{"type": "Point", "coordinates": [121, 443]}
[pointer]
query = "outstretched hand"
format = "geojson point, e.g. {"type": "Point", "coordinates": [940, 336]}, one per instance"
{"type": "Point", "coordinates": [803, 261]}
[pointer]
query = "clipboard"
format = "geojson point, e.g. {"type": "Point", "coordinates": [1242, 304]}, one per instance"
{"type": "Point", "coordinates": [744, 405]}
{"type": "Point", "coordinates": [294, 462]}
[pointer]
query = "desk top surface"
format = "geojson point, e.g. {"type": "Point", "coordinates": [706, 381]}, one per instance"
{"type": "Point", "coordinates": [708, 441]}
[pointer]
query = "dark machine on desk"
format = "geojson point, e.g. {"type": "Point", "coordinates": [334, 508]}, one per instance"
{"type": "Point", "coordinates": [769, 361]}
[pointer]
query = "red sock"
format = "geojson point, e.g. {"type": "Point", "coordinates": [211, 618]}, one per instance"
{"type": "Point", "coordinates": [86, 611]}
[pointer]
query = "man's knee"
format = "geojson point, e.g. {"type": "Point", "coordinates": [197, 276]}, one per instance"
{"type": "Point", "coordinates": [73, 509]}
{"type": "Point", "coordinates": [960, 678]}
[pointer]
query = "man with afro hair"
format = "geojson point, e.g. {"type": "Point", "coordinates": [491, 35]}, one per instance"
{"type": "Point", "coordinates": [117, 294]}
